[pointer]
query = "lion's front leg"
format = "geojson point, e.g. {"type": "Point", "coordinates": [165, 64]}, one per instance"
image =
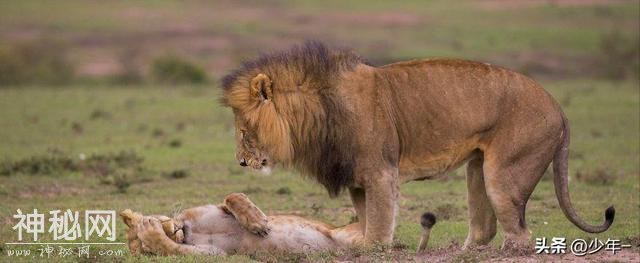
{"type": "Point", "coordinates": [360, 204]}
{"type": "Point", "coordinates": [381, 195]}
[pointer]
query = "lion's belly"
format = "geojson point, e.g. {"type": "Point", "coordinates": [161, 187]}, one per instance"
{"type": "Point", "coordinates": [427, 165]}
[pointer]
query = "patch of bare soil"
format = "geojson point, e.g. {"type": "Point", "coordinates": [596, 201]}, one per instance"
{"type": "Point", "coordinates": [519, 4]}
{"type": "Point", "coordinates": [49, 190]}
{"type": "Point", "coordinates": [454, 253]}
{"type": "Point", "coordinates": [384, 19]}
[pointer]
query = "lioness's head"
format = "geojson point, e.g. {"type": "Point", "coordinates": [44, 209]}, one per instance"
{"type": "Point", "coordinates": [171, 227]}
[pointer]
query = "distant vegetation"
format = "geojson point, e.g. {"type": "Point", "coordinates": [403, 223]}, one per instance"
{"type": "Point", "coordinates": [176, 70]}
{"type": "Point", "coordinates": [35, 62]}
{"type": "Point", "coordinates": [46, 62]}
{"type": "Point", "coordinates": [130, 43]}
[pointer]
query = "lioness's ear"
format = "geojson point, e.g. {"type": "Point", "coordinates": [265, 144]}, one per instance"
{"type": "Point", "coordinates": [129, 217]}
{"type": "Point", "coordinates": [261, 87]}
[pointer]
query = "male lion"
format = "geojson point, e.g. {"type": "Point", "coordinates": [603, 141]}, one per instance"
{"type": "Point", "coordinates": [369, 129]}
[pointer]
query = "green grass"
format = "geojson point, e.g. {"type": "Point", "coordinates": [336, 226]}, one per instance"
{"type": "Point", "coordinates": [184, 127]}
{"type": "Point", "coordinates": [604, 120]}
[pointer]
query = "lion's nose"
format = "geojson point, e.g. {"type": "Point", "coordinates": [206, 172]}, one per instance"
{"type": "Point", "coordinates": [243, 162]}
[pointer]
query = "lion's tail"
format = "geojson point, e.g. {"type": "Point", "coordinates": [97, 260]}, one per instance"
{"type": "Point", "coordinates": [427, 220]}
{"type": "Point", "coordinates": [561, 182]}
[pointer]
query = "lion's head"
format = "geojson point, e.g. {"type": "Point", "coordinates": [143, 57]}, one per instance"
{"type": "Point", "coordinates": [286, 112]}
{"type": "Point", "coordinates": [263, 136]}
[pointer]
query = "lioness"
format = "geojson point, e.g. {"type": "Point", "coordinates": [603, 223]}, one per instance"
{"type": "Point", "coordinates": [369, 129]}
{"type": "Point", "coordinates": [238, 227]}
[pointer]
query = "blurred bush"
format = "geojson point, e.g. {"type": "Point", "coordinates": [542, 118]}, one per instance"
{"type": "Point", "coordinates": [174, 70]}
{"type": "Point", "coordinates": [620, 57]}
{"type": "Point", "coordinates": [41, 61]}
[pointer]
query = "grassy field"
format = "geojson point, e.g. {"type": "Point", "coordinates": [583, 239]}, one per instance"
{"type": "Point", "coordinates": [185, 138]}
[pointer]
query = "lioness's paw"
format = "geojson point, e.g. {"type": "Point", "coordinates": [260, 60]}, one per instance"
{"type": "Point", "coordinates": [261, 229]}
{"type": "Point", "coordinates": [248, 215]}
{"type": "Point", "coordinates": [151, 234]}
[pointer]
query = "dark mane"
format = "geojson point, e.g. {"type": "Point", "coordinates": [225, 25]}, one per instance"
{"type": "Point", "coordinates": [312, 58]}
{"type": "Point", "coordinates": [329, 156]}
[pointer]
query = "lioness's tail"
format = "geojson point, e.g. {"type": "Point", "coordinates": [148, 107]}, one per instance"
{"type": "Point", "coordinates": [561, 182]}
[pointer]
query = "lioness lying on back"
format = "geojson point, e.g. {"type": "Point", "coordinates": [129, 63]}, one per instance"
{"type": "Point", "coordinates": [237, 227]}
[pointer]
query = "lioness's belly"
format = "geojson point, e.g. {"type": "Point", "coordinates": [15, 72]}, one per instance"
{"type": "Point", "coordinates": [291, 234]}
{"type": "Point", "coordinates": [209, 225]}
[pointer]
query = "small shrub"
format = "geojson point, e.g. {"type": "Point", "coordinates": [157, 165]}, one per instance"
{"type": "Point", "coordinates": [175, 70]}
{"type": "Point", "coordinates": [77, 128]}
{"type": "Point", "coordinates": [178, 174]}
{"type": "Point", "coordinates": [283, 191]}
{"type": "Point", "coordinates": [121, 183]}
{"type": "Point", "coordinates": [157, 132]}
{"type": "Point", "coordinates": [619, 56]}
{"type": "Point", "coordinates": [175, 143]}
{"type": "Point", "coordinates": [51, 164]}
{"type": "Point", "coordinates": [6, 167]}
{"type": "Point", "coordinates": [595, 133]}
{"type": "Point", "coordinates": [116, 169]}
{"type": "Point", "coordinates": [99, 114]}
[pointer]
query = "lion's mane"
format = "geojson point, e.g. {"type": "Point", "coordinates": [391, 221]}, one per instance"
{"type": "Point", "coordinates": [308, 124]}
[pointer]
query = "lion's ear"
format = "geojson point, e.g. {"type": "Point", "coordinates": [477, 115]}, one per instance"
{"type": "Point", "coordinates": [261, 87]}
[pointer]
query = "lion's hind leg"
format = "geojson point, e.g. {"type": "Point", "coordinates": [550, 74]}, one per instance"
{"type": "Point", "coordinates": [509, 182]}
{"type": "Point", "coordinates": [482, 219]}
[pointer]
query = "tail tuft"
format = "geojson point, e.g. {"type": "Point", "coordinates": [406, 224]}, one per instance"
{"type": "Point", "coordinates": [428, 219]}
{"type": "Point", "coordinates": [609, 214]}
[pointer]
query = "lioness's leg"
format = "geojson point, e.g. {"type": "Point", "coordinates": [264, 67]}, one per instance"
{"type": "Point", "coordinates": [348, 236]}
{"type": "Point", "coordinates": [482, 220]}
{"type": "Point", "coordinates": [154, 238]}
{"type": "Point", "coordinates": [381, 197]}
{"type": "Point", "coordinates": [359, 203]}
